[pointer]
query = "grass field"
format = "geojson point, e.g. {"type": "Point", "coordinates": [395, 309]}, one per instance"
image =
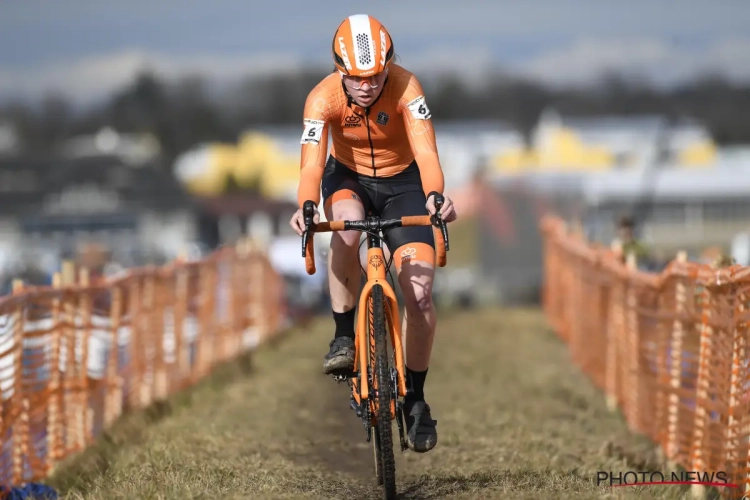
{"type": "Point", "coordinates": [515, 420]}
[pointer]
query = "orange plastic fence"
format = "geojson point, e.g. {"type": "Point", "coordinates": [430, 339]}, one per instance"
{"type": "Point", "coordinates": [670, 349]}
{"type": "Point", "coordinates": [74, 357]}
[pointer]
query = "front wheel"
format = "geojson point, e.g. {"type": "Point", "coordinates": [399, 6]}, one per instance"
{"type": "Point", "coordinates": [385, 463]}
{"type": "Point", "coordinates": [376, 449]}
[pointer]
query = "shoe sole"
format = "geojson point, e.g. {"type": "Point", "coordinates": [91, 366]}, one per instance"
{"type": "Point", "coordinates": [338, 363]}
{"type": "Point", "coordinates": [430, 445]}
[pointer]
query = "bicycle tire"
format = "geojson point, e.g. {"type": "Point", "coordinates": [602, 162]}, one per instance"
{"type": "Point", "coordinates": [384, 429]}
{"type": "Point", "coordinates": [376, 449]}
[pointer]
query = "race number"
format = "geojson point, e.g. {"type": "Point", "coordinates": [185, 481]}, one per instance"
{"type": "Point", "coordinates": [418, 108]}
{"type": "Point", "coordinates": [313, 131]}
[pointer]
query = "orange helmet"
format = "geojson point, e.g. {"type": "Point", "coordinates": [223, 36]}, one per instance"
{"type": "Point", "coordinates": [362, 40]}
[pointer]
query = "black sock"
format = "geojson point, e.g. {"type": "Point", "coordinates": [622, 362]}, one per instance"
{"type": "Point", "coordinates": [344, 323]}
{"type": "Point", "coordinates": [415, 384]}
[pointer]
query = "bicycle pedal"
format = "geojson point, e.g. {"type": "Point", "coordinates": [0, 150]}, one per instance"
{"type": "Point", "coordinates": [354, 406]}
{"type": "Point", "coordinates": [342, 375]}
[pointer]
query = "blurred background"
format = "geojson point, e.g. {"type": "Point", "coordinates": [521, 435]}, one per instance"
{"type": "Point", "coordinates": [131, 132]}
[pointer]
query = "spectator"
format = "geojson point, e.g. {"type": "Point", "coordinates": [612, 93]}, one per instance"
{"type": "Point", "coordinates": [627, 240]}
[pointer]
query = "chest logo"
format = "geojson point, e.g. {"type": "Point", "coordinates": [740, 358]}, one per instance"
{"type": "Point", "coordinates": [352, 121]}
{"type": "Point", "coordinates": [382, 118]}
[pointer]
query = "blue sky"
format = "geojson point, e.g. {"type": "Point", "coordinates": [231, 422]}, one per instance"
{"type": "Point", "coordinates": [85, 48]}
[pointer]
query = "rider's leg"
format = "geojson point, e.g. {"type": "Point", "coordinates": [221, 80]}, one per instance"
{"type": "Point", "coordinates": [414, 258]}
{"type": "Point", "coordinates": [416, 271]}
{"type": "Point", "coordinates": [344, 276]}
{"type": "Point", "coordinates": [344, 198]}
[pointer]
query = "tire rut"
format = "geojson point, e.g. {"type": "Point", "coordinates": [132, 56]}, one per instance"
{"type": "Point", "coordinates": [339, 439]}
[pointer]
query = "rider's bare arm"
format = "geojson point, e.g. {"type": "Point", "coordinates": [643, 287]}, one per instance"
{"type": "Point", "coordinates": [421, 136]}
{"type": "Point", "coordinates": [314, 142]}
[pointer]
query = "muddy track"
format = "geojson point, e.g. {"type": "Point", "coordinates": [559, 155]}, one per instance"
{"type": "Point", "coordinates": [515, 420]}
{"type": "Point", "coordinates": [338, 440]}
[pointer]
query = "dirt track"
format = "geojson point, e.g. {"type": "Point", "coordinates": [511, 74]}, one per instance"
{"type": "Point", "coordinates": [515, 420]}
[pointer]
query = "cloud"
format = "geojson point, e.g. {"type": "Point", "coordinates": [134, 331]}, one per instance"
{"type": "Point", "coordinates": [585, 60]}
{"type": "Point", "coordinates": [475, 62]}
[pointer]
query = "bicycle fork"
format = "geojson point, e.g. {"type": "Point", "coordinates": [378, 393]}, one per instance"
{"type": "Point", "coordinates": [399, 410]}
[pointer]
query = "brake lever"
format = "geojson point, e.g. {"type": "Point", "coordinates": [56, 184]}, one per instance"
{"type": "Point", "coordinates": [308, 212]}
{"type": "Point", "coordinates": [437, 220]}
{"type": "Point", "coordinates": [304, 242]}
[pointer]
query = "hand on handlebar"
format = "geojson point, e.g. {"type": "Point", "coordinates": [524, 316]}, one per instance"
{"type": "Point", "coordinates": [298, 219]}
{"type": "Point", "coordinates": [441, 210]}
{"type": "Point", "coordinates": [447, 211]}
{"type": "Point", "coordinates": [310, 216]}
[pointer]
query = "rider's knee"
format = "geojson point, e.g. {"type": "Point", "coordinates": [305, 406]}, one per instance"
{"type": "Point", "coordinates": [344, 205]}
{"type": "Point", "coordinates": [346, 239]}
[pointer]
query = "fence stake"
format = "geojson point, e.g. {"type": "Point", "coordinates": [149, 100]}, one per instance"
{"type": "Point", "coordinates": [18, 400]}
{"type": "Point", "coordinates": [54, 419]}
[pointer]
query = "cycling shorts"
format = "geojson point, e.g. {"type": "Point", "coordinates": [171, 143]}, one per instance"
{"type": "Point", "coordinates": [389, 198]}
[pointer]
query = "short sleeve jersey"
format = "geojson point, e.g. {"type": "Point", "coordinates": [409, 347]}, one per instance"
{"type": "Point", "coordinates": [379, 141]}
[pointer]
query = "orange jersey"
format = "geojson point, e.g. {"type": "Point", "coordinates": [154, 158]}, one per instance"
{"type": "Point", "coordinates": [379, 141]}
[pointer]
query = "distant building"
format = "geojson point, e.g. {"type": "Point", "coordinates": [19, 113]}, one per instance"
{"type": "Point", "coordinates": [269, 157]}
{"type": "Point", "coordinates": [133, 149]}
{"type": "Point", "coordinates": [140, 213]}
{"type": "Point", "coordinates": [225, 218]}
{"type": "Point", "coordinates": [565, 143]}
{"type": "Point", "coordinates": [466, 146]}
{"type": "Point", "coordinates": [9, 141]}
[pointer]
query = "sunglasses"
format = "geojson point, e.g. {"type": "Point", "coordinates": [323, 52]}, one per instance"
{"type": "Point", "coordinates": [360, 80]}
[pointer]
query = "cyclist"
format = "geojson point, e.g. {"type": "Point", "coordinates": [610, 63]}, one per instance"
{"type": "Point", "coordinates": [384, 160]}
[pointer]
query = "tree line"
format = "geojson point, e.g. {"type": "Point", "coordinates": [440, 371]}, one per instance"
{"type": "Point", "coordinates": [184, 113]}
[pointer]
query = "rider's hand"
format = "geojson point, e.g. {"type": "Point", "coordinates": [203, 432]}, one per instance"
{"type": "Point", "coordinates": [447, 212]}
{"type": "Point", "coordinates": [298, 221]}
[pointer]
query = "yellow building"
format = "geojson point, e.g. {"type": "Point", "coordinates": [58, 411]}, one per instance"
{"type": "Point", "coordinates": [256, 160]}
{"type": "Point", "coordinates": [604, 143]}
{"type": "Point", "coordinates": [270, 159]}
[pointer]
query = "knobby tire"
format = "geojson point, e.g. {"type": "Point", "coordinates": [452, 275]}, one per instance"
{"type": "Point", "coordinates": [386, 464]}
{"type": "Point", "coordinates": [376, 448]}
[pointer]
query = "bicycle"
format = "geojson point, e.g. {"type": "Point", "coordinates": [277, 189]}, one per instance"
{"type": "Point", "coordinates": [375, 396]}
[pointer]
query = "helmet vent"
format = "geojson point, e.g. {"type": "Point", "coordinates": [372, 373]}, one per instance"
{"type": "Point", "coordinates": [364, 49]}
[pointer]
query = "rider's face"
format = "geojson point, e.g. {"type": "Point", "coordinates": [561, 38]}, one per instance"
{"type": "Point", "coordinates": [364, 90]}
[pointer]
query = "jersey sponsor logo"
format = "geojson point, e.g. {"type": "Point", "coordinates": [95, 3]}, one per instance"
{"type": "Point", "coordinates": [313, 131]}
{"type": "Point", "coordinates": [352, 121]}
{"type": "Point", "coordinates": [382, 118]}
{"type": "Point", "coordinates": [418, 108]}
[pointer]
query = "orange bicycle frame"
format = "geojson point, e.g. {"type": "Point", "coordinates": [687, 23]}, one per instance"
{"type": "Point", "coordinates": [376, 275]}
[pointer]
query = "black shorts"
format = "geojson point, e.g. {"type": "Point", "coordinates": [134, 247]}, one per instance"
{"type": "Point", "coordinates": [387, 197]}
